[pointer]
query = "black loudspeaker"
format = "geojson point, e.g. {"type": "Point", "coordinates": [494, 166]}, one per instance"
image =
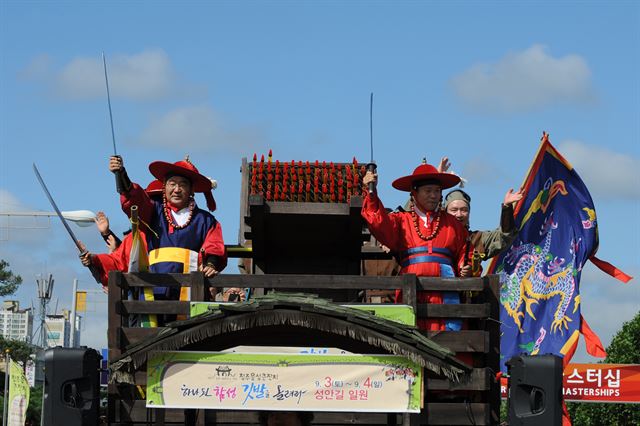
{"type": "Point", "coordinates": [71, 386]}
{"type": "Point", "coordinates": [535, 390]}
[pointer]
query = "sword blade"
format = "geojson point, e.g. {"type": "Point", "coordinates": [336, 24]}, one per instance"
{"type": "Point", "coordinates": [371, 125]}
{"type": "Point", "coordinates": [372, 165]}
{"type": "Point", "coordinates": [55, 207]}
{"type": "Point", "coordinates": [106, 80]}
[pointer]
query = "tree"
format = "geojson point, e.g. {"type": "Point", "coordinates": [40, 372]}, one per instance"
{"type": "Point", "coordinates": [622, 350]}
{"type": "Point", "coordinates": [18, 350]}
{"type": "Point", "coordinates": [35, 405]}
{"type": "Point", "coordinates": [8, 282]}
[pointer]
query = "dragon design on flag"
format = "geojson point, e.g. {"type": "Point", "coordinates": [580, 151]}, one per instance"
{"type": "Point", "coordinates": [538, 275]}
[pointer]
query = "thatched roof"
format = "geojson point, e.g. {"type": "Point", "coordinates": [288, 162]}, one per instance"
{"type": "Point", "coordinates": [289, 311]}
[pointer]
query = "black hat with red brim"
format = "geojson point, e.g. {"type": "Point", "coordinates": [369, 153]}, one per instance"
{"type": "Point", "coordinates": [425, 174]}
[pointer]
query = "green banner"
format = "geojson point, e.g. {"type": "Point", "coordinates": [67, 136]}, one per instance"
{"type": "Point", "coordinates": [284, 382]}
{"type": "Point", "coordinates": [399, 313]}
{"type": "Point", "coordinates": [18, 395]}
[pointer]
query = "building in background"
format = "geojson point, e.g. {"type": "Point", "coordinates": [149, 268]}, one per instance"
{"type": "Point", "coordinates": [16, 324]}
{"type": "Point", "coordinates": [78, 327]}
{"type": "Point", "coordinates": [58, 331]}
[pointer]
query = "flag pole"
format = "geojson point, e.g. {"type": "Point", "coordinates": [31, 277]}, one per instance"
{"type": "Point", "coordinates": [516, 209]}
{"type": "Point", "coordinates": [74, 301]}
{"type": "Point", "coordinates": [543, 140]}
{"type": "Point", "coordinates": [5, 414]}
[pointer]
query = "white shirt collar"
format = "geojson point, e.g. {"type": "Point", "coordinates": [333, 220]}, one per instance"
{"type": "Point", "coordinates": [181, 216]}
{"type": "Point", "coordinates": [424, 216]}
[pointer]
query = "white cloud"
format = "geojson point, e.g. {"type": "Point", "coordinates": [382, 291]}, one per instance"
{"type": "Point", "coordinates": [607, 174]}
{"type": "Point", "coordinates": [478, 170]}
{"type": "Point", "coordinates": [38, 68]}
{"type": "Point", "coordinates": [524, 81]}
{"type": "Point", "coordinates": [198, 128]}
{"type": "Point", "coordinates": [148, 75]}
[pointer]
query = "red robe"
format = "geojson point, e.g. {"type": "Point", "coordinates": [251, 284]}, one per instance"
{"type": "Point", "coordinates": [116, 261]}
{"type": "Point", "coordinates": [397, 231]}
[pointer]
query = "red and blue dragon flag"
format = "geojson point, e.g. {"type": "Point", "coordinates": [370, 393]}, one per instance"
{"type": "Point", "coordinates": [540, 272]}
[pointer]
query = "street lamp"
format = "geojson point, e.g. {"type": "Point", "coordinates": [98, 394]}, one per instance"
{"type": "Point", "coordinates": [80, 217]}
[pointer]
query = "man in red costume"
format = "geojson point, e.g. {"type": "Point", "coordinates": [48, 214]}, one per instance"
{"type": "Point", "coordinates": [429, 241]}
{"type": "Point", "coordinates": [118, 257]}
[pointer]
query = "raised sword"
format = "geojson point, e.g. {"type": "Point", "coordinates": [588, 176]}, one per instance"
{"type": "Point", "coordinates": [82, 250]}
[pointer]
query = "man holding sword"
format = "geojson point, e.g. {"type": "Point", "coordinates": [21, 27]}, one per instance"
{"type": "Point", "coordinates": [429, 241]}
{"type": "Point", "coordinates": [180, 237]}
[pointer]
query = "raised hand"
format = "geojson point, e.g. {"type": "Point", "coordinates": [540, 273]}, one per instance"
{"type": "Point", "coordinates": [370, 177]}
{"type": "Point", "coordinates": [444, 165]}
{"type": "Point", "coordinates": [512, 197]}
{"type": "Point", "coordinates": [102, 223]}
{"type": "Point", "coordinates": [115, 163]}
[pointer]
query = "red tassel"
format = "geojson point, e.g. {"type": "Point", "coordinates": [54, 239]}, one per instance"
{"type": "Point", "coordinates": [611, 270]}
{"type": "Point", "coordinates": [211, 202]}
{"type": "Point", "coordinates": [591, 340]}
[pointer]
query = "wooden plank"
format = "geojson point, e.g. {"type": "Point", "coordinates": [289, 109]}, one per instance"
{"type": "Point", "coordinates": [197, 286]}
{"type": "Point", "coordinates": [309, 281]}
{"type": "Point", "coordinates": [451, 284]}
{"type": "Point", "coordinates": [127, 307]}
{"type": "Point", "coordinates": [480, 380]}
{"type": "Point", "coordinates": [480, 310]}
{"type": "Point", "coordinates": [137, 412]}
{"type": "Point", "coordinates": [457, 413]}
{"type": "Point", "coordinates": [409, 296]}
{"type": "Point", "coordinates": [354, 236]}
{"type": "Point", "coordinates": [114, 320]}
{"type": "Point", "coordinates": [435, 414]}
{"type": "Point", "coordinates": [304, 281]}
{"type": "Point", "coordinates": [302, 208]}
{"type": "Point", "coordinates": [461, 341]}
{"type": "Point", "coordinates": [492, 360]}
{"type": "Point", "coordinates": [319, 418]}
{"type": "Point", "coordinates": [354, 418]}
{"type": "Point", "coordinates": [257, 236]}
{"type": "Point", "coordinates": [148, 279]}
{"type": "Point", "coordinates": [244, 195]}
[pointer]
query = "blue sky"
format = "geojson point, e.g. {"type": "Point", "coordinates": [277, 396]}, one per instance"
{"type": "Point", "coordinates": [475, 81]}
